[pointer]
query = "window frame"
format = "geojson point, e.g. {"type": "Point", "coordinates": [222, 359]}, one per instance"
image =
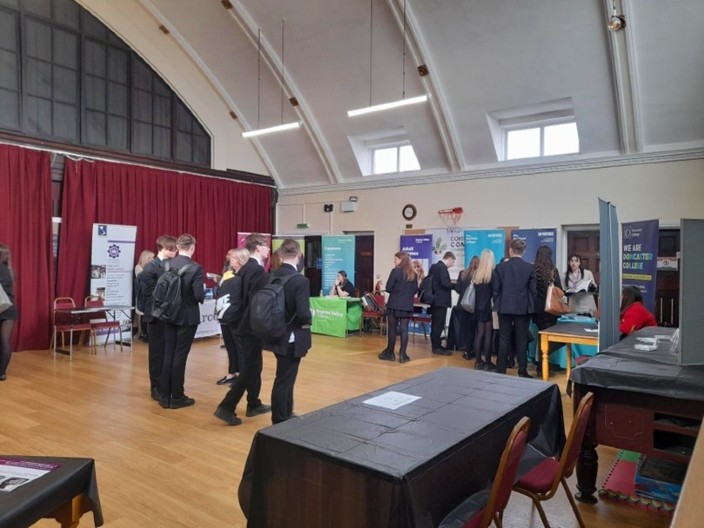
{"type": "Point", "coordinates": [396, 145]}
{"type": "Point", "coordinates": [541, 126]}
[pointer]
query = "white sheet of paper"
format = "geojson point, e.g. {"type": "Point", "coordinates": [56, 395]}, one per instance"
{"type": "Point", "coordinates": [391, 400]}
{"type": "Point", "coordinates": [592, 330]}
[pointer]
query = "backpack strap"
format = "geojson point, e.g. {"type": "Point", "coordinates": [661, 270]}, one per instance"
{"type": "Point", "coordinates": [183, 270]}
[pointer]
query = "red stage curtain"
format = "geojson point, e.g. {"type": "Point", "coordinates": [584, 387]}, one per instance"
{"type": "Point", "coordinates": [25, 226]}
{"type": "Point", "coordinates": [158, 202]}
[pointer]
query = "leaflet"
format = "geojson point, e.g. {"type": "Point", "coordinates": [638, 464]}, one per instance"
{"type": "Point", "coordinates": [15, 473]}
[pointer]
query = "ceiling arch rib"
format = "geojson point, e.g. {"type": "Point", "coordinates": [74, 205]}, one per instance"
{"type": "Point", "coordinates": [201, 64]}
{"type": "Point", "coordinates": [273, 61]}
{"type": "Point", "coordinates": [431, 83]}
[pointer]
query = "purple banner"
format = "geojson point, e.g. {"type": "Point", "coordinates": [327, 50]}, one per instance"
{"type": "Point", "coordinates": [640, 258]}
{"type": "Point", "coordinates": [419, 247]}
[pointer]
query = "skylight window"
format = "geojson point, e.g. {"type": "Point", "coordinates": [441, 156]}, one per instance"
{"type": "Point", "coordinates": [549, 140]}
{"type": "Point", "coordinates": [534, 131]}
{"type": "Point", "coordinates": [400, 158]}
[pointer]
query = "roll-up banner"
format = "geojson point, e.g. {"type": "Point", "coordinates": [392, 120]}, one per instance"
{"type": "Point", "coordinates": [338, 254]}
{"type": "Point", "coordinates": [639, 257]}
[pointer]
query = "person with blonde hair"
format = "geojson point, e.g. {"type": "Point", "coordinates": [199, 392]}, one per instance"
{"type": "Point", "coordinates": [228, 309]}
{"type": "Point", "coordinates": [401, 286]}
{"type": "Point", "coordinates": [483, 277]}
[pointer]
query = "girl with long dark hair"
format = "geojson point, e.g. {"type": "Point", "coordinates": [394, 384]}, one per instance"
{"type": "Point", "coordinates": [401, 286]}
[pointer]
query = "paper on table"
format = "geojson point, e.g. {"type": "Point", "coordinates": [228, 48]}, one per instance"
{"type": "Point", "coordinates": [592, 330]}
{"type": "Point", "coordinates": [391, 400]}
{"type": "Point", "coordinates": [16, 473]}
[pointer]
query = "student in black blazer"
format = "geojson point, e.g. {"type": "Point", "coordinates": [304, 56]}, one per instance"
{"type": "Point", "coordinates": [166, 247]}
{"type": "Point", "coordinates": [514, 289]}
{"type": "Point", "coordinates": [297, 341]}
{"type": "Point", "coordinates": [442, 291]}
{"type": "Point", "coordinates": [401, 287]}
{"type": "Point", "coordinates": [248, 345]}
{"type": "Point", "coordinates": [178, 335]}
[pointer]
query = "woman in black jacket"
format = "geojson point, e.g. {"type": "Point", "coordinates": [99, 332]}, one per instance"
{"type": "Point", "coordinates": [401, 286]}
{"type": "Point", "coordinates": [545, 274]}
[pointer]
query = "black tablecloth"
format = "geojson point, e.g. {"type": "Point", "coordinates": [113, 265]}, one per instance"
{"type": "Point", "coordinates": [27, 504]}
{"type": "Point", "coordinates": [356, 465]}
{"type": "Point", "coordinates": [622, 367]}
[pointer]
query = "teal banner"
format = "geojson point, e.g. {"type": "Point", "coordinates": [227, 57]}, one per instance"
{"type": "Point", "coordinates": [338, 254]}
{"type": "Point", "coordinates": [476, 241]}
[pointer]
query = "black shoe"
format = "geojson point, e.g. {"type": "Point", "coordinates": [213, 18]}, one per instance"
{"type": "Point", "coordinates": [467, 356]}
{"type": "Point", "coordinates": [480, 365]}
{"type": "Point", "coordinates": [156, 396]}
{"type": "Point", "coordinates": [442, 352]}
{"type": "Point", "coordinates": [490, 367]}
{"type": "Point", "coordinates": [525, 375]}
{"type": "Point", "coordinates": [260, 409]}
{"type": "Point", "coordinates": [511, 363]}
{"type": "Point", "coordinates": [403, 358]}
{"type": "Point", "coordinates": [228, 418]}
{"type": "Point", "coordinates": [165, 403]}
{"type": "Point", "coordinates": [387, 356]}
{"type": "Point", "coordinates": [225, 380]}
{"type": "Point", "coordinates": [183, 401]}
{"type": "Point", "coordinates": [3, 377]}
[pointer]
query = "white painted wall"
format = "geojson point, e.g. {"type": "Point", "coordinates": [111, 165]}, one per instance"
{"type": "Point", "coordinates": [667, 191]}
{"type": "Point", "coordinates": [140, 30]}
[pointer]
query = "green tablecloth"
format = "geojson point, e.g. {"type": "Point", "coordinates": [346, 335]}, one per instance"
{"type": "Point", "coordinates": [335, 316]}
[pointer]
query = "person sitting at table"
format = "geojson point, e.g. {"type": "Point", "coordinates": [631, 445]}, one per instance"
{"type": "Point", "coordinates": [342, 286]}
{"type": "Point", "coordinates": [634, 315]}
{"type": "Point", "coordinates": [579, 284]}
{"type": "Point", "coordinates": [401, 286]}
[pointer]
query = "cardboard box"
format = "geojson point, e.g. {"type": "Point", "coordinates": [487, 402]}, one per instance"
{"type": "Point", "coordinates": [659, 479]}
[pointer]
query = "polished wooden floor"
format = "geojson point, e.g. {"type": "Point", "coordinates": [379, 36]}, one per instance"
{"type": "Point", "coordinates": [181, 468]}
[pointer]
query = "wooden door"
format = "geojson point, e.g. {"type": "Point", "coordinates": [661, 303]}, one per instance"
{"type": "Point", "coordinates": [586, 245]}
{"type": "Point", "coordinates": [667, 286]}
{"type": "Point", "coordinates": [364, 263]}
{"type": "Point", "coordinates": [313, 266]}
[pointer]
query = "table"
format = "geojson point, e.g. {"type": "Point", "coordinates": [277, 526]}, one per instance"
{"type": "Point", "coordinates": [83, 312]}
{"type": "Point", "coordinates": [64, 494]}
{"type": "Point", "coordinates": [335, 316]}
{"type": "Point", "coordinates": [568, 333]}
{"type": "Point", "coordinates": [357, 465]}
{"type": "Point", "coordinates": [643, 401]}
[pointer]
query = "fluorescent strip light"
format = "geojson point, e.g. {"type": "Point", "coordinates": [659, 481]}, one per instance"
{"type": "Point", "coordinates": [387, 106]}
{"type": "Point", "coordinates": [278, 128]}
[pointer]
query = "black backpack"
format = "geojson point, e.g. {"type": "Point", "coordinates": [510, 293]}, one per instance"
{"type": "Point", "coordinates": [139, 297]}
{"type": "Point", "coordinates": [425, 290]}
{"type": "Point", "coordinates": [166, 297]}
{"type": "Point", "coordinates": [267, 310]}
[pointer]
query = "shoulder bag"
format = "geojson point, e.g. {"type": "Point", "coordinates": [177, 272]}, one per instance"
{"type": "Point", "coordinates": [5, 302]}
{"type": "Point", "coordinates": [469, 299]}
{"type": "Point", "coordinates": [556, 302]}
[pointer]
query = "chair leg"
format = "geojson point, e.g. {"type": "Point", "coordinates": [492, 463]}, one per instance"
{"type": "Point", "coordinates": [572, 502]}
{"type": "Point", "coordinates": [536, 502]}
{"type": "Point", "coordinates": [497, 520]}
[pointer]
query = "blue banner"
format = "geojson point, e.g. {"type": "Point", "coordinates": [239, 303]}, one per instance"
{"type": "Point", "coordinates": [478, 240]}
{"type": "Point", "coordinates": [640, 258]}
{"type": "Point", "coordinates": [338, 254]}
{"type": "Point", "coordinates": [534, 239]}
{"type": "Point", "coordinates": [418, 247]}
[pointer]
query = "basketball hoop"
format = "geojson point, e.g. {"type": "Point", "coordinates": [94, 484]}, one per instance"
{"type": "Point", "coordinates": [450, 217]}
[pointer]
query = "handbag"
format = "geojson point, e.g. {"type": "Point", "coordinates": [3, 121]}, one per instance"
{"type": "Point", "coordinates": [5, 302]}
{"type": "Point", "coordinates": [556, 302]}
{"type": "Point", "coordinates": [469, 299]}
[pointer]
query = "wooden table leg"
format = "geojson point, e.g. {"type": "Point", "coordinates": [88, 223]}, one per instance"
{"type": "Point", "coordinates": [70, 513]}
{"type": "Point", "coordinates": [544, 345]}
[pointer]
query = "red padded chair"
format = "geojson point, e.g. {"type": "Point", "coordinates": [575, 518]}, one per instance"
{"type": "Point", "coordinates": [67, 322]}
{"type": "Point", "coordinates": [541, 483]}
{"type": "Point", "coordinates": [378, 313]}
{"type": "Point", "coordinates": [422, 318]}
{"type": "Point", "coordinates": [99, 321]}
{"type": "Point", "coordinates": [486, 505]}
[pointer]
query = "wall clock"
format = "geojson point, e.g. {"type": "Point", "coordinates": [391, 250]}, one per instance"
{"type": "Point", "coordinates": [409, 211]}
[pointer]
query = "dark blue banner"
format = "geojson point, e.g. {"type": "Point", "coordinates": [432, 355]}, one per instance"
{"type": "Point", "coordinates": [534, 239]}
{"type": "Point", "coordinates": [418, 247]}
{"type": "Point", "coordinates": [640, 258]}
